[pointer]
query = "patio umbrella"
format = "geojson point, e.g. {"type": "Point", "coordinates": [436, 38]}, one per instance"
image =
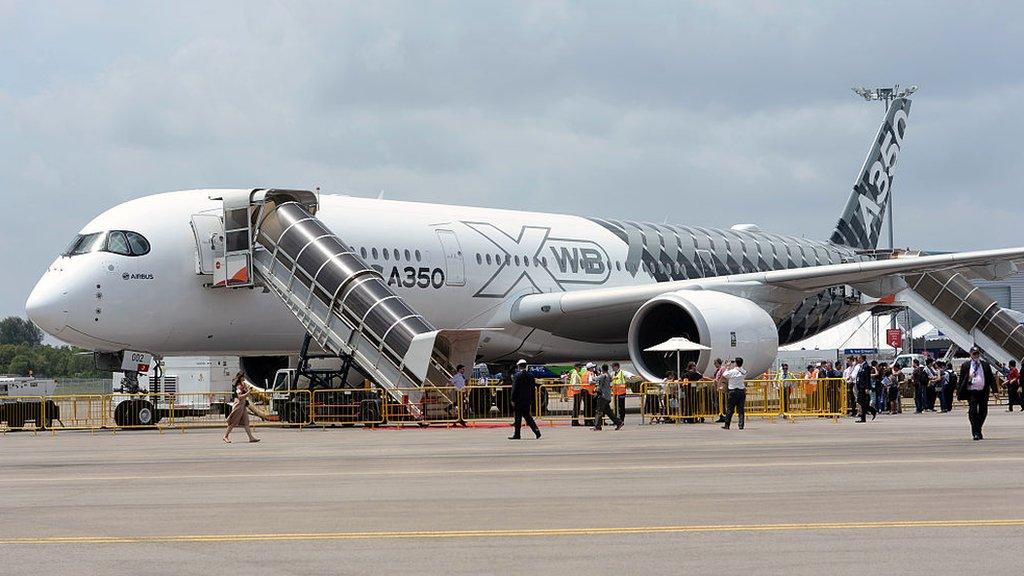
{"type": "Point", "coordinates": [678, 345]}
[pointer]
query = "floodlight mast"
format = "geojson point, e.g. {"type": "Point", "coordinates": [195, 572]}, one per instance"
{"type": "Point", "coordinates": [886, 96]}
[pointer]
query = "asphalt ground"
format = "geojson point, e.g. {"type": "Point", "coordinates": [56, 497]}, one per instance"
{"type": "Point", "coordinates": [906, 494]}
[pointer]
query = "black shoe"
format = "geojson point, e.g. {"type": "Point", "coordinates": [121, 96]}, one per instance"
{"type": "Point", "coordinates": [720, 420]}
{"type": "Point", "coordinates": [537, 433]}
{"type": "Point", "coordinates": [725, 427]}
{"type": "Point", "coordinates": [981, 436]}
{"type": "Point", "coordinates": [514, 438]}
{"type": "Point", "coordinates": [873, 415]}
{"type": "Point", "coordinates": [575, 423]}
{"type": "Point", "coordinates": [976, 437]}
{"type": "Point", "coordinates": [741, 426]}
{"type": "Point", "coordinates": [620, 425]}
{"type": "Point", "coordinates": [860, 421]}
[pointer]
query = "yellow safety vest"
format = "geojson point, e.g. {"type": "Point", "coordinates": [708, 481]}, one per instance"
{"type": "Point", "coordinates": [619, 384]}
{"type": "Point", "coordinates": [574, 383]}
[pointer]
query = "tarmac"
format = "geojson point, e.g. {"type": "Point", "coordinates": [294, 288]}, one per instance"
{"type": "Point", "coordinates": [907, 494]}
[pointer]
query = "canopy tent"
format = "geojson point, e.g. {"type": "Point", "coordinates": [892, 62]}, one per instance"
{"type": "Point", "coordinates": [678, 345]}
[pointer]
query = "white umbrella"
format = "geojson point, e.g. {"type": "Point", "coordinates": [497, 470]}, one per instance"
{"type": "Point", "coordinates": [678, 345]}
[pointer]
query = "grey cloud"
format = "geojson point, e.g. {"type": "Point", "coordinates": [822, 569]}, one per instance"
{"type": "Point", "coordinates": [711, 113]}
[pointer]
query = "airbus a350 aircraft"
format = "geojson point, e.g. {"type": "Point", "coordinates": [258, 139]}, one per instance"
{"type": "Point", "coordinates": [249, 272]}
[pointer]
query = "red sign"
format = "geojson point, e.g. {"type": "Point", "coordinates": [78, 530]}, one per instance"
{"type": "Point", "coordinates": [894, 337]}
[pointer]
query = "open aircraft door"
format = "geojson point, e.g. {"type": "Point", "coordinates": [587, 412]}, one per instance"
{"type": "Point", "coordinates": [209, 233]}
{"type": "Point", "coordinates": [455, 268]}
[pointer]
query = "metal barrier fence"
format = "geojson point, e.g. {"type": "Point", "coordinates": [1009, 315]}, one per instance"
{"type": "Point", "coordinates": [25, 413]}
{"type": "Point", "coordinates": [697, 401]}
{"type": "Point", "coordinates": [555, 402]}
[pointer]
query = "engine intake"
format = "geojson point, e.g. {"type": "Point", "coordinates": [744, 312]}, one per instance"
{"type": "Point", "coordinates": [731, 326]}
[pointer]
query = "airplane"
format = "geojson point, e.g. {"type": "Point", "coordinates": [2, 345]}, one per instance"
{"type": "Point", "coordinates": [147, 275]}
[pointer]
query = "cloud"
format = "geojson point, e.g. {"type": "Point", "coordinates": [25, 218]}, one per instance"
{"type": "Point", "coordinates": [708, 113]}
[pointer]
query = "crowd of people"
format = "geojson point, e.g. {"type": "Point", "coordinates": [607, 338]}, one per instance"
{"type": "Point", "coordinates": [600, 392]}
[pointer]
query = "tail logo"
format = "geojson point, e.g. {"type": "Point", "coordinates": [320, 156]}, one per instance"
{"type": "Point", "coordinates": [862, 220]}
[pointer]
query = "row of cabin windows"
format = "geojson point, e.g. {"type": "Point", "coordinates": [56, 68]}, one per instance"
{"type": "Point", "coordinates": [507, 259]}
{"type": "Point", "coordinates": [391, 254]}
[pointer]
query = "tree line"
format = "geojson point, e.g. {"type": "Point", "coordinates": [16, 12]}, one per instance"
{"type": "Point", "coordinates": [22, 352]}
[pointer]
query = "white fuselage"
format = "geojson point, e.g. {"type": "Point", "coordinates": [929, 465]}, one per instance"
{"type": "Point", "coordinates": [460, 267]}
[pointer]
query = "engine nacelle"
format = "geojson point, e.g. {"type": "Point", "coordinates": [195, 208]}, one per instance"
{"type": "Point", "coordinates": [731, 326]}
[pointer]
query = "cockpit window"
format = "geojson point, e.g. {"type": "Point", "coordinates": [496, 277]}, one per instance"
{"type": "Point", "coordinates": [117, 243]}
{"type": "Point", "coordinates": [121, 242]}
{"type": "Point", "coordinates": [85, 243]}
{"type": "Point", "coordinates": [138, 243]}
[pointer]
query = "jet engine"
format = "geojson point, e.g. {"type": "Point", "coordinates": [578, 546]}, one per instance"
{"type": "Point", "coordinates": [729, 325]}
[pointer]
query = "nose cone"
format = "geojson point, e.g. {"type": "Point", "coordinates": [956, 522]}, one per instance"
{"type": "Point", "coordinates": [47, 305]}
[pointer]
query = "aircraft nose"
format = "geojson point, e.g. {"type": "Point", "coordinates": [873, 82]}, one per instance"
{"type": "Point", "coordinates": [47, 305]}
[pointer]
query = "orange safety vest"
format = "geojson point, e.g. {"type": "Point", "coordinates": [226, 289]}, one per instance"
{"type": "Point", "coordinates": [585, 378]}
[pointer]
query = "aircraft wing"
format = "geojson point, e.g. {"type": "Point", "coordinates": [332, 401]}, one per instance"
{"type": "Point", "coordinates": [607, 311]}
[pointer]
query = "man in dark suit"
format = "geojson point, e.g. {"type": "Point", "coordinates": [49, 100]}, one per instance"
{"type": "Point", "coordinates": [864, 384]}
{"type": "Point", "coordinates": [524, 389]}
{"type": "Point", "coordinates": [976, 382]}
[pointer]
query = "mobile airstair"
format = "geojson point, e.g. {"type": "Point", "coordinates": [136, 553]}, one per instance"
{"type": "Point", "coordinates": [273, 239]}
{"type": "Point", "coordinates": [965, 314]}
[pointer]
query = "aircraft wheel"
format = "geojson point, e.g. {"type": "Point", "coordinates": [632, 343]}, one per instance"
{"type": "Point", "coordinates": [143, 413]}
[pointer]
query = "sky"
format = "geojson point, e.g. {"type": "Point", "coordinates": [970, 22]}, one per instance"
{"type": "Point", "coordinates": [710, 113]}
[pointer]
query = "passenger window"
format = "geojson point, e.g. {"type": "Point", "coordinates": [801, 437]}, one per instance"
{"type": "Point", "coordinates": [479, 259]}
{"type": "Point", "coordinates": [117, 243]}
{"type": "Point", "coordinates": [374, 252]}
{"type": "Point", "coordinates": [488, 256]}
{"type": "Point", "coordinates": [362, 252]}
{"type": "Point", "coordinates": [408, 257]}
{"type": "Point", "coordinates": [385, 252]}
{"type": "Point", "coordinates": [138, 243]}
{"type": "Point", "coordinates": [417, 255]}
{"type": "Point", "coordinates": [517, 260]}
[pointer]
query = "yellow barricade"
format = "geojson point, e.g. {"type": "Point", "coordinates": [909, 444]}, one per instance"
{"type": "Point", "coordinates": [486, 402]}
{"type": "Point", "coordinates": [436, 405]}
{"type": "Point", "coordinates": [555, 403]}
{"type": "Point", "coordinates": [824, 397]}
{"type": "Point", "coordinates": [80, 412]}
{"type": "Point", "coordinates": [681, 401]}
{"type": "Point", "coordinates": [347, 407]}
{"type": "Point", "coordinates": [24, 413]}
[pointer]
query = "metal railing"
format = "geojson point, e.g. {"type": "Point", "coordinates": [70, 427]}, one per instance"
{"type": "Point", "coordinates": [697, 401]}
{"type": "Point", "coordinates": [554, 403]}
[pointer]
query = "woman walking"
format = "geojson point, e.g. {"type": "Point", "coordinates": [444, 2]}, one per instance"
{"type": "Point", "coordinates": [239, 415]}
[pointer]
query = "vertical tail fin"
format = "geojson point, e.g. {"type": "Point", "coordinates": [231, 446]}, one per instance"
{"type": "Point", "coordinates": [861, 221]}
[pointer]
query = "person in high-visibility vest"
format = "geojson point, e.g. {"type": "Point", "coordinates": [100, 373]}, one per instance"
{"type": "Point", "coordinates": [575, 390]}
{"type": "Point", "coordinates": [619, 389]}
{"type": "Point", "coordinates": [588, 379]}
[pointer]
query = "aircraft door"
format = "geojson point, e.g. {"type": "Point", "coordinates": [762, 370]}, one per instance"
{"type": "Point", "coordinates": [209, 232]}
{"type": "Point", "coordinates": [455, 268]}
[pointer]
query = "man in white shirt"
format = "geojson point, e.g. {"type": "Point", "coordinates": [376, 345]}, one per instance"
{"type": "Point", "coordinates": [976, 381]}
{"type": "Point", "coordinates": [850, 377]}
{"type": "Point", "coordinates": [737, 392]}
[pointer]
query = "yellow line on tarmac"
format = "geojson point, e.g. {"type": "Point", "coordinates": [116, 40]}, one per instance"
{"type": "Point", "coordinates": [514, 533]}
{"type": "Point", "coordinates": [511, 470]}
